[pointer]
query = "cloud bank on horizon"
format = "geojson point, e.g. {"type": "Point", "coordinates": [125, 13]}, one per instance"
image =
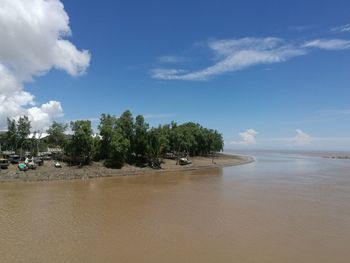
{"type": "Point", "coordinates": [301, 138]}
{"type": "Point", "coordinates": [247, 137]}
{"type": "Point", "coordinates": [237, 54]}
{"type": "Point", "coordinates": [32, 43]}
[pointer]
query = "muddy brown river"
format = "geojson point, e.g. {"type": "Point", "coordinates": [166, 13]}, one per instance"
{"type": "Point", "coordinates": [282, 208]}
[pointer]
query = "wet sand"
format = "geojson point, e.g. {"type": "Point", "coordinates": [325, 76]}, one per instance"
{"type": "Point", "coordinates": [48, 172]}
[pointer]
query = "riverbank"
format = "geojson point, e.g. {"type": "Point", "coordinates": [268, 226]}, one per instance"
{"type": "Point", "coordinates": [48, 172]}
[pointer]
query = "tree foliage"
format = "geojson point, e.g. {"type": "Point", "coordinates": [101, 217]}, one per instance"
{"type": "Point", "coordinates": [140, 141]}
{"type": "Point", "coordinates": [106, 127]}
{"type": "Point", "coordinates": [57, 135]}
{"type": "Point", "coordinates": [127, 140]}
{"type": "Point", "coordinates": [123, 139]}
{"type": "Point", "coordinates": [11, 135]}
{"type": "Point", "coordinates": [23, 130]}
{"type": "Point", "coordinates": [82, 141]}
{"type": "Point", "coordinates": [157, 145]}
{"type": "Point", "coordinates": [119, 148]}
{"type": "Point", "coordinates": [17, 133]}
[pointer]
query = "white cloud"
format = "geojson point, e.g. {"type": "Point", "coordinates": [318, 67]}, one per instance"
{"type": "Point", "coordinates": [341, 29]}
{"type": "Point", "coordinates": [158, 116]}
{"type": "Point", "coordinates": [32, 43]}
{"type": "Point", "coordinates": [166, 74]}
{"type": "Point", "coordinates": [336, 112]}
{"type": "Point", "coordinates": [38, 135]}
{"type": "Point", "coordinates": [236, 54]}
{"type": "Point", "coordinates": [171, 59]}
{"type": "Point", "coordinates": [328, 44]}
{"type": "Point", "coordinates": [300, 28]}
{"type": "Point", "coordinates": [247, 137]}
{"type": "Point", "coordinates": [42, 116]}
{"type": "Point", "coordinates": [302, 138]}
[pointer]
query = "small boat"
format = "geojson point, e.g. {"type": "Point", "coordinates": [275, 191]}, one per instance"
{"type": "Point", "coordinates": [4, 163]}
{"type": "Point", "coordinates": [22, 167]}
{"type": "Point", "coordinates": [31, 165]}
{"type": "Point", "coordinates": [14, 159]}
{"type": "Point", "coordinates": [58, 165]}
{"type": "Point", "coordinates": [184, 161]}
{"type": "Point", "coordinates": [38, 161]}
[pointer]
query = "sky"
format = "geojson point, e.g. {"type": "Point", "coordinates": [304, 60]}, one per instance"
{"type": "Point", "coordinates": [266, 74]}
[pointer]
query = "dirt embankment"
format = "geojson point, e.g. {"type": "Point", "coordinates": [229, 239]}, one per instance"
{"type": "Point", "coordinates": [48, 172]}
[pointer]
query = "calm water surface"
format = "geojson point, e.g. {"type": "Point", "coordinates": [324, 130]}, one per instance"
{"type": "Point", "coordinates": [282, 208]}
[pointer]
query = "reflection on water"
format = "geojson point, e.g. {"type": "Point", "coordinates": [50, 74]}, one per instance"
{"type": "Point", "coordinates": [281, 208]}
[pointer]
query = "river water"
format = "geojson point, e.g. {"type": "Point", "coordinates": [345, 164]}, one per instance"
{"type": "Point", "coordinates": [281, 208]}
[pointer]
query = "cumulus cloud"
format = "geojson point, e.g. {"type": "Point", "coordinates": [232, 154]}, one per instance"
{"type": "Point", "coordinates": [42, 116]}
{"type": "Point", "coordinates": [329, 44]}
{"type": "Point", "coordinates": [247, 137]}
{"type": "Point", "coordinates": [33, 42]}
{"type": "Point", "coordinates": [302, 138]}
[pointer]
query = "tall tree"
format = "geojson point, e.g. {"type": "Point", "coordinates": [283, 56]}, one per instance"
{"type": "Point", "coordinates": [56, 134]}
{"type": "Point", "coordinates": [119, 148]}
{"type": "Point", "coordinates": [11, 135]}
{"type": "Point", "coordinates": [123, 139]}
{"type": "Point", "coordinates": [115, 145]}
{"type": "Point", "coordinates": [157, 144]}
{"type": "Point", "coordinates": [106, 128]}
{"type": "Point", "coordinates": [125, 126]}
{"type": "Point", "coordinates": [140, 140]}
{"type": "Point", "coordinates": [82, 142]}
{"type": "Point", "coordinates": [23, 130]}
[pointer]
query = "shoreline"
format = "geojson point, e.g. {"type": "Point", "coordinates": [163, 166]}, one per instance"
{"type": "Point", "coordinates": [48, 172]}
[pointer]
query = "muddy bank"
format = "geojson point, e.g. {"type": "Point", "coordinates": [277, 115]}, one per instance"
{"type": "Point", "coordinates": [48, 172]}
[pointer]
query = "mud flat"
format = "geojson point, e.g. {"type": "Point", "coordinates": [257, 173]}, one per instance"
{"type": "Point", "coordinates": [48, 172]}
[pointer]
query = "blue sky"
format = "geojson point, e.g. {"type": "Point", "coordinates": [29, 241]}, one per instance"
{"type": "Point", "coordinates": [267, 74]}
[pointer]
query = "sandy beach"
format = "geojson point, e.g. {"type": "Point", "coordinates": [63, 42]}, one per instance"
{"type": "Point", "coordinates": [48, 172]}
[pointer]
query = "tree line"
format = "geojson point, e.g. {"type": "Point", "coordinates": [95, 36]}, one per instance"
{"type": "Point", "coordinates": [120, 140]}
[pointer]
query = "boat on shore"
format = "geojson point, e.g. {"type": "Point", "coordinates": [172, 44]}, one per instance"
{"type": "Point", "coordinates": [184, 161]}
{"type": "Point", "coordinates": [4, 163]}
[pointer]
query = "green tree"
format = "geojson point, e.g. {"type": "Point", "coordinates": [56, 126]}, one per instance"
{"type": "Point", "coordinates": [34, 144]}
{"type": "Point", "coordinates": [119, 148]}
{"type": "Point", "coordinates": [115, 144]}
{"type": "Point", "coordinates": [157, 144]}
{"type": "Point", "coordinates": [124, 140]}
{"type": "Point", "coordinates": [214, 142]}
{"type": "Point", "coordinates": [3, 142]}
{"type": "Point", "coordinates": [106, 128]}
{"type": "Point", "coordinates": [11, 135]}
{"type": "Point", "coordinates": [82, 141]}
{"type": "Point", "coordinates": [96, 147]}
{"type": "Point", "coordinates": [125, 126]}
{"type": "Point", "coordinates": [139, 146]}
{"type": "Point", "coordinates": [23, 130]}
{"type": "Point", "coordinates": [57, 135]}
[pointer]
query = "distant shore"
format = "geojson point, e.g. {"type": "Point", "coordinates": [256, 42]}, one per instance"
{"type": "Point", "coordinates": [48, 172]}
